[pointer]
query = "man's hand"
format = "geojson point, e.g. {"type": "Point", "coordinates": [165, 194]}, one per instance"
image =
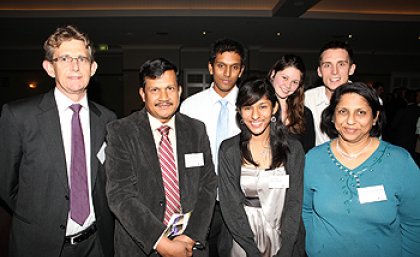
{"type": "Point", "coordinates": [185, 239]}
{"type": "Point", "coordinates": [174, 248]}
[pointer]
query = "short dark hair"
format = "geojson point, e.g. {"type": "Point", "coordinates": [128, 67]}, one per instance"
{"type": "Point", "coordinates": [336, 44]}
{"type": "Point", "coordinates": [227, 45]}
{"type": "Point", "coordinates": [364, 91]}
{"type": "Point", "coordinates": [154, 68]}
{"type": "Point", "coordinates": [250, 92]}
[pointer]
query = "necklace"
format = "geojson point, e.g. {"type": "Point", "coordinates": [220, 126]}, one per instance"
{"type": "Point", "coordinates": [266, 152]}
{"type": "Point", "coordinates": [352, 156]}
{"type": "Point", "coordinates": [263, 150]}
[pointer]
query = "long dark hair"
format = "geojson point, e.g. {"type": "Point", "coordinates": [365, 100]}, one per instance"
{"type": "Point", "coordinates": [295, 102]}
{"type": "Point", "coordinates": [250, 92]}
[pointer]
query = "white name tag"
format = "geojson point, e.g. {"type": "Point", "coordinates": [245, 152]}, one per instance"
{"type": "Point", "coordinates": [194, 160]}
{"type": "Point", "coordinates": [279, 182]}
{"type": "Point", "coordinates": [371, 194]}
{"type": "Point", "coordinates": [101, 153]}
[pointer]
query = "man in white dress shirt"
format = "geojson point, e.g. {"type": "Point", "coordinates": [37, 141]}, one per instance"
{"type": "Point", "coordinates": [226, 65]}
{"type": "Point", "coordinates": [336, 64]}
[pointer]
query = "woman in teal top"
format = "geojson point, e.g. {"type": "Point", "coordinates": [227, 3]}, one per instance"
{"type": "Point", "coordinates": [361, 194]}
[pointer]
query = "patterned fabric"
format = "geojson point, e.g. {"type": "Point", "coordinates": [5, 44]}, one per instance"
{"type": "Point", "coordinates": [79, 196]}
{"type": "Point", "coordinates": [169, 176]}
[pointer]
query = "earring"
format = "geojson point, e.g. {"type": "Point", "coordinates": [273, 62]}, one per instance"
{"type": "Point", "coordinates": [374, 123]}
{"type": "Point", "coordinates": [241, 121]}
{"type": "Point", "coordinates": [273, 119]}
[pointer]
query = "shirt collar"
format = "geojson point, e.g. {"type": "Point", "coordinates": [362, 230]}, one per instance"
{"type": "Point", "coordinates": [155, 123]}
{"type": "Point", "coordinates": [230, 98]}
{"type": "Point", "coordinates": [322, 96]}
{"type": "Point", "coordinates": [63, 102]}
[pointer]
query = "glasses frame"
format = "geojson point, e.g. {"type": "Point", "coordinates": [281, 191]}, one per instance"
{"type": "Point", "coordinates": [66, 59]}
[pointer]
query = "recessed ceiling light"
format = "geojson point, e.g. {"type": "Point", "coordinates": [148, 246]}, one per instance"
{"type": "Point", "coordinates": [350, 36]}
{"type": "Point", "coordinates": [204, 33]}
{"type": "Point", "coordinates": [278, 34]}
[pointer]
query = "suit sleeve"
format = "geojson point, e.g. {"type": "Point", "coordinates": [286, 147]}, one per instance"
{"type": "Point", "coordinates": [136, 218]}
{"type": "Point", "coordinates": [231, 202]}
{"type": "Point", "coordinates": [10, 157]}
{"type": "Point", "coordinates": [199, 223]}
{"type": "Point", "coordinates": [293, 232]}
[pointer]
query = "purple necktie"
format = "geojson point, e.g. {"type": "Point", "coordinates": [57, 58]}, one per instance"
{"type": "Point", "coordinates": [79, 195]}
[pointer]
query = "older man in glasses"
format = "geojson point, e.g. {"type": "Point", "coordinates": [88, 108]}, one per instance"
{"type": "Point", "coordinates": [52, 157]}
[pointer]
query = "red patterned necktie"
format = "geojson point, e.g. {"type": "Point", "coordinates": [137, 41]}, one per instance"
{"type": "Point", "coordinates": [79, 193]}
{"type": "Point", "coordinates": [170, 179]}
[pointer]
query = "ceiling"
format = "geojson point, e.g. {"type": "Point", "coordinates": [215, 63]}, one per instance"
{"type": "Point", "coordinates": [385, 26]}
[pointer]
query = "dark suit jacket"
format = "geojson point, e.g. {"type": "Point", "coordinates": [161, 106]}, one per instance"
{"type": "Point", "coordinates": [403, 128]}
{"type": "Point", "coordinates": [135, 187]}
{"type": "Point", "coordinates": [34, 180]}
{"type": "Point", "coordinates": [232, 201]}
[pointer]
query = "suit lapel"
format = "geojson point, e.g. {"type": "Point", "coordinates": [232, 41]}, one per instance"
{"type": "Point", "coordinates": [147, 148]}
{"type": "Point", "coordinates": [49, 121]}
{"type": "Point", "coordinates": [183, 139]}
{"type": "Point", "coordinates": [96, 139]}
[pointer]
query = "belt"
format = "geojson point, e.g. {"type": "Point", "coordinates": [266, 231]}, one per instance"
{"type": "Point", "coordinates": [81, 236]}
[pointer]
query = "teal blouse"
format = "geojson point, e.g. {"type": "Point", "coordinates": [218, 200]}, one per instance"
{"type": "Point", "coordinates": [338, 225]}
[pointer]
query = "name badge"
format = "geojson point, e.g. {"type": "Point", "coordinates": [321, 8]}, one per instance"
{"type": "Point", "coordinates": [279, 182]}
{"type": "Point", "coordinates": [194, 160]}
{"type": "Point", "coordinates": [101, 153]}
{"type": "Point", "coordinates": [371, 194]}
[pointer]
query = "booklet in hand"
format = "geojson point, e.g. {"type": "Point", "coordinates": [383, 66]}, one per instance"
{"type": "Point", "coordinates": [177, 225]}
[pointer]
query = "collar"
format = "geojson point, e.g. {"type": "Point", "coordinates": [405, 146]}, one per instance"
{"type": "Point", "coordinates": [321, 98]}
{"type": "Point", "coordinates": [230, 98]}
{"type": "Point", "coordinates": [63, 102]}
{"type": "Point", "coordinates": [155, 123]}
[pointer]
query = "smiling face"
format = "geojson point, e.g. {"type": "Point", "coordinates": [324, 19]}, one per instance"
{"type": "Point", "coordinates": [226, 70]}
{"type": "Point", "coordinates": [257, 117]}
{"type": "Point", "coordinates": [335, 68]}
{"type": "Point", "coordinates": [286, 81]}
{"type": "Point", "coordinates": [71, 78]}
{"type": "Point", "coordinates": [353, 118]}
{"type": "Point", "coordinates": [161, 96]}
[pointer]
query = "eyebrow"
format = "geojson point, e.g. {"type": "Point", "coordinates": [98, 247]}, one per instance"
{"type": "Point", "coordinates": [236, 63]}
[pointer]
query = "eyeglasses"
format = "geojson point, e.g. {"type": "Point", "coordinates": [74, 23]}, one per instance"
{"type": "Point", "coordinates": [68, 59]}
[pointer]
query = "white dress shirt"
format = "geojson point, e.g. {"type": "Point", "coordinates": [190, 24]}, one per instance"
{"type": "Point", "coordinates": [205, 107]}
{"type": "Point", "coordinates": [316, 100]}
{"type": "Point", "coordinates": [65, 113]}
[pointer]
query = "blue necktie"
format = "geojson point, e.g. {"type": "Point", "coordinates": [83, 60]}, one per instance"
{"type": "Point", "coordinates": [222, 131]}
